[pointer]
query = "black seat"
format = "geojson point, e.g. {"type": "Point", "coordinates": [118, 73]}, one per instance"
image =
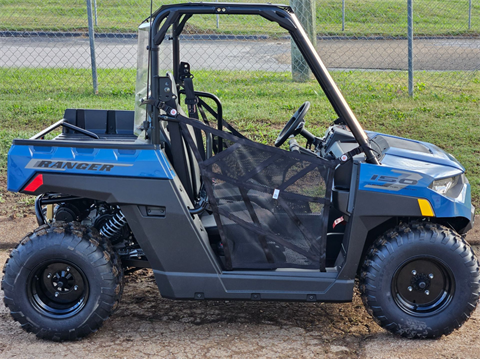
{"type": "Point", "coordinates": [178, 152]}
{"type": "Point", "coordinates": [108, 125]}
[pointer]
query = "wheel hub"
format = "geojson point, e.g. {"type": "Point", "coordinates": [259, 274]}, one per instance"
{"type": "Point", "coordinates": [420, 282]}
{"type": "Point", "coordinates": [62, 282]}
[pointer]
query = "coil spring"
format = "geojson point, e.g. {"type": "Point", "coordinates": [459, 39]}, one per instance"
{"type": "Point", "coordinates": [113, 225]}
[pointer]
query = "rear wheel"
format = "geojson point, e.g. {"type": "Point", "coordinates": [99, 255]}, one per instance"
{"type": "Point", "coordinates": [420, 280]}
{"type": "Point", "coordinates": [62, 282]}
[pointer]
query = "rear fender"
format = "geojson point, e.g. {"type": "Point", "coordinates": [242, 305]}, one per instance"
{"type": "Point", "coordinates": [25, 161]}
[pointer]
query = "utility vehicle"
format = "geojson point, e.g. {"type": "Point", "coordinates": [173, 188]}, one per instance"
{"type": "Point", "coordinates": [218, 216]}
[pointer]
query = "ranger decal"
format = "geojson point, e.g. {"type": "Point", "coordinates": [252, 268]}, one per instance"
{"type": "Point", "coordinates": [70, 165]}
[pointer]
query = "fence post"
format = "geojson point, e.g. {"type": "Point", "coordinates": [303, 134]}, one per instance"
{"type": "Point", "coordinates": [218, 20]}
{"type": "Point", "coordinates": [410, 46]}
{"type": "Point", "coordinates": [469, 14]}
{"type": "Point", "coordinates": [305, 11]}
{"type": "Point", "coordinates": [343, 15]}
{"type": "Point", "coordinates": [95, 6]}
{"type": "Point", "coordinates": [91, 36]}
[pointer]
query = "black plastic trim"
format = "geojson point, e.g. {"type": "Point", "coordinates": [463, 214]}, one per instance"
{"type": "Point", "coordinates": [370, 203]}
{"type": "Point", "coordinates": [256, 285]}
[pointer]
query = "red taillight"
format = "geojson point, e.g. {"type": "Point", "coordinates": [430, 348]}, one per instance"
{"type": "Point", "coordinates": [34, 184]}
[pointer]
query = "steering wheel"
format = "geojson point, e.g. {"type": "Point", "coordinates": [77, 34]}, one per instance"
{"type": "Point", "coordinates": [294, 126]}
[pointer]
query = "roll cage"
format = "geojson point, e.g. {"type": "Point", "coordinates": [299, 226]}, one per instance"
{"type": "Point", "coordinates": [176, 17]}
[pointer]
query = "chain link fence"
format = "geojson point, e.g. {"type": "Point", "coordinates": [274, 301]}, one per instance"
{"type": "Point", "coordinates": [351, 36]}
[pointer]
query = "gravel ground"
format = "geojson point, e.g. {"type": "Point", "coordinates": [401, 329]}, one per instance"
{"type": "Point", "coordinates": [146, 325]}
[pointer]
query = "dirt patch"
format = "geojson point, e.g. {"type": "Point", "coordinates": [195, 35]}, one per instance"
{"type": "Point", "coordinates": [147, 325]}
{"type": "Point", "coordinates": [13, 230]}
{"type": "Point", "coordinates": [14, 205]}
{"type": "Point", "coordinates": [473, 236]}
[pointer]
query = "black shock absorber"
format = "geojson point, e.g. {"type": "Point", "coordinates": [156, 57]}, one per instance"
{"type": "Point", "coordinates": [113, 225]}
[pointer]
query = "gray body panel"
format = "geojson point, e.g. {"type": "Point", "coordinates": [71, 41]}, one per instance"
{"type": "Point", "coordinates": [178, 249]}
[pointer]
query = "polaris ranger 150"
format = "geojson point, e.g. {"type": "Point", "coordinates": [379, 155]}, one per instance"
{"type": "Point", "coordinates": [218, 216]}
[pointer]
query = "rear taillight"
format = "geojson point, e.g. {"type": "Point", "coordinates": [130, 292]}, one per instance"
{"type": "Point", "coordinates": [34, 184]}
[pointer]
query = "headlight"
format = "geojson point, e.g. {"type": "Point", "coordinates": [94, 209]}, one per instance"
{"type": "Point", "coordinates": [447, 186]}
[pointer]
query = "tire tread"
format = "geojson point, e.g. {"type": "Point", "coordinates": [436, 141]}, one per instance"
{"type": "Point", "coordinates": [389, 243]}
{"type": "Point", "coordinates": [100, 254]}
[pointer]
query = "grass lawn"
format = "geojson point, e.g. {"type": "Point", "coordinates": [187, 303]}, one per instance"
{"type": "Point", "coordinates": [259, 103]}
{"type": "Point", "coordinates": [362, 17]}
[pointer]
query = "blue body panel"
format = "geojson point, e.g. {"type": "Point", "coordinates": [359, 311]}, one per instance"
{"type": "Point", "coordinates": [24, 162]}
{"type": "Point", "coordinates": [413, 171]}
{"type": "Point", "coordinates": [409, 173]}
{"type": "Point", "coordinates": [437, 156]}
{"type": "Point", "coordinates": [443, 206]}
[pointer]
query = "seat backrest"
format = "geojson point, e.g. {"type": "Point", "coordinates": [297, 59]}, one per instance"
{"type": "Point", "coordinates": [100, 122]}
{"type": "Point", "coordinates": [179, 153]}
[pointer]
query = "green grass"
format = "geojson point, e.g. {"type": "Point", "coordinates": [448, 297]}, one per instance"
{"type": "Point", "coordinates": [363, 17]}
{"type": "Point", "coordinates": [259, 103]}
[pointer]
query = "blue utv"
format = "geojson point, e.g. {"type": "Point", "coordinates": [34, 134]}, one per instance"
{"type": "Point", "coordinates": [218, 216]}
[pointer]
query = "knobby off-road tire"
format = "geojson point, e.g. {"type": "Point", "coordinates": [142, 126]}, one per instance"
{"type": "Point", "coordinates": [420, 280]}
{"type": "Point", "coordinates": [62, 282]}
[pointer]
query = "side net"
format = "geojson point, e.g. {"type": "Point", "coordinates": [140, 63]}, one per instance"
{"type": "Point", "coordinates": [271, 206]}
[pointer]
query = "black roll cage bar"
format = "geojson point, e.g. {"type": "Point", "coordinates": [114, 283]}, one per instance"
{"type": "Point", "coordinates": [177, 15]}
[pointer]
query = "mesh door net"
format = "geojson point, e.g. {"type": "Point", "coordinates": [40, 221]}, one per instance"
{"type": "Point", "coordinates": [271, 206]}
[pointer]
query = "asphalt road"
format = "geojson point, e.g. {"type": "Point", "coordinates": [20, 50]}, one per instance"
{"type": "Point", "coordinates": [432, 54]}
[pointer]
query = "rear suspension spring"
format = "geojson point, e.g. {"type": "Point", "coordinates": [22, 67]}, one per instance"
{"type": "Point", "coordinates": [113, 225]}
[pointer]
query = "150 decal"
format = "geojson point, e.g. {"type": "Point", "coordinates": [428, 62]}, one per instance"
{"type": "Point", "coordinates": [394, 183]}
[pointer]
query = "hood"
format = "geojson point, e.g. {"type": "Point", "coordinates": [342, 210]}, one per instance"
{"type": "Point", "coordinates": [415, 155]}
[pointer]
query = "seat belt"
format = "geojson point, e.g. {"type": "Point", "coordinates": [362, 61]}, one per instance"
{"type": "Point", "coordinates": [191, 101]}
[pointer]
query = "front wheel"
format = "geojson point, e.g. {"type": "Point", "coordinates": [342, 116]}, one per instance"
{"type": "Point", "coordinates": [62, 282]}
{"type": "Point", "coordinates": [420, 280]}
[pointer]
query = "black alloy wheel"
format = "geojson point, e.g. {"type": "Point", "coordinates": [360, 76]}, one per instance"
{"type": "Point", "coordinates": [62, 281]}
{"type": "Point", "coordinates": [420, 280]}
{"type": "Point", "coordinates": [423, 286]}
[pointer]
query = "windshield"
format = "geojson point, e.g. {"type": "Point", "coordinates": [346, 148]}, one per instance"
{"type": "Point", "coordinates": [142, 75]}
